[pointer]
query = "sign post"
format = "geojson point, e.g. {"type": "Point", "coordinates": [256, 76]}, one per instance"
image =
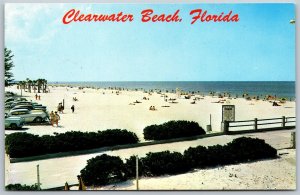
{"type": "Point", "coordinates": [228, 114]}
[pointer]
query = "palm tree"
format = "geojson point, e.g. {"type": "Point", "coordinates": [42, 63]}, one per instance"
{"type": "Point", "coordinates": [22, 85]}
{"type": "Point", "coordinates": [39, 84]}
{"type": "Point", "coordinates": [44, 85]}
{"type": "Point", "coordinates": [34, 83]}
{"type": "Point", "coordinates": [29, 83]}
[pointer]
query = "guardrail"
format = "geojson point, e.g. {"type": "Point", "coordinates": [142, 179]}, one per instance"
{"type": "Point", "coordinates": [260, 124]}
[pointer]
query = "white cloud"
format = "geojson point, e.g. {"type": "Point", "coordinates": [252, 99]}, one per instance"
{"type": "Point", "coordinates": [27, 23]}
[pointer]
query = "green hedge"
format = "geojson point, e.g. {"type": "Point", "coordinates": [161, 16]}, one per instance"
{"type": "Point", "coordinates": [19, 145]}
{"type": "Point", "coordinates": [20, 187]}
{"type": "Point", "coordinates": [99, 169]}
{"type": "Point", "coordinates": [23, 144]}
{"type": "Point", "coordinates": [172, 129]}
{"type": "Point", "coordinates": [103, 169]}
{"type": "Point", "coordinates": [165, 162]}
{"type": "Point", "coordinates": [240, 150]}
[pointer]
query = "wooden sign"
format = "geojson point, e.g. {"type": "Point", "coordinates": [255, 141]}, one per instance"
{"type": "Point", "coordinates": [228, 113]}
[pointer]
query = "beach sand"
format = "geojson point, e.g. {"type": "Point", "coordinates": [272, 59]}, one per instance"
{"type": "Point", "coordinates": [104, 109]}
{"type": "Point", "coordinates": [97, 111]}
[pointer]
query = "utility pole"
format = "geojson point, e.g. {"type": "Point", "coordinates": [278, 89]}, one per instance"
{"type": "Point", "coordinates": [38, 177]}
{"type": "Point", "coordinates": [137, 171]}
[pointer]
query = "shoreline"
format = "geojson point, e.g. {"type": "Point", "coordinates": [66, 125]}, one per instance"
{"type": "Point", "coordinates": [205, 92]}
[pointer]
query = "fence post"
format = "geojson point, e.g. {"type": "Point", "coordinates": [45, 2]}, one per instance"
{"type": "Point", "coordinates": [283, 121]}
{"type": "Point", "coordinates": [293, 140]}
{"type": "Point", "coordinates": [38, 177]}
{"type": "Point", "coordinates": [255, 124]}
{"type": "Point", "coordinates": [137, 171]}
{"type": "Point", "coordinates": [208, 127]}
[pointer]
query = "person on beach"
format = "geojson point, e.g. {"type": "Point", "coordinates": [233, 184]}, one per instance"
{"type": "Point", "coordinates": [39, 97]}
{"type": "Point", "coordinates": [72, 108]}
{"type": "Point", "coordinates": [36, 96]}
{"type": "Point", "coordinates": [52, 118]}
{"type": "Point", "coordinates": [56, 118]}
{"type": "Point", "coordinates": [152, 108]}
{"type": "Point", "coordinates": [59, 107]}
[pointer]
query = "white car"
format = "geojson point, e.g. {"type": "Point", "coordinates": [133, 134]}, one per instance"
{"type": "Point", "coordinates": [29, 116]}
{"type": "Point", "coordinates": [14, 122]}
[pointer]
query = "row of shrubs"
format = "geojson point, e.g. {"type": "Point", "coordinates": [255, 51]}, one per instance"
{"type": "Point", "coordinates": [20, 187]}
{"type": "Point", "coordinates": [104, 169]}
{"type": "Point", "coordinates": [172, 129]}
{"type": "Point", "coordinates": [19, 145]}
{"type": "Point", "coordinates": [24, 144]}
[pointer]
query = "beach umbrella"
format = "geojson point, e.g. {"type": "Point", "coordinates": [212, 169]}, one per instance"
{"type": "Point", "coordinates": [81, 184]}
{"type": "Point", "coordinates": [67, 187]}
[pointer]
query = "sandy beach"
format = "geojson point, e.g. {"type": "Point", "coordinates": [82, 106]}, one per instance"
{"type": "Point", "coordinates": [100, 109]}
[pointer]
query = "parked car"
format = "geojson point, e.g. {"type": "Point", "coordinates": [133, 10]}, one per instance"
{"type": "Point", "coordinates": [9, 103]}
{"type": "Point", "coordinates": [29, 116]}
{"type": "Point", "coordinates": [21, 99]}
{"type": "Point", "coordinates": [14, 122]}
{"type": "Point", "coordinates": [6, 109]}
{"type": "Point", "coordinates": [34, 110]}
{"type": "Point", "coordinates": [14, 103]}
{"type": "Point", "coordinates": [36, 104]}
{"type": "Point", "coordinates": [29, 107]}
{"type": "Point", "coordinates": [40, 107]}
{"type": "Point", "coordinates": [9, 94]}
{"type": "Point", "coordinates": [9, 100]}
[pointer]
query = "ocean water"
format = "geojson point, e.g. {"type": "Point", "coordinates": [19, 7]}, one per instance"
{"type": "Point", "coordinates": [281, 89]}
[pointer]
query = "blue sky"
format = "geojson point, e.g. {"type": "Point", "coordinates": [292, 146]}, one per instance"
{"type": "Point", "coordinates": [260, 47]}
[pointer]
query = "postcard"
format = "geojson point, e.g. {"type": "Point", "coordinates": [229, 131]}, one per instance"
{"type": "Point", "coordinates": [150, 96]}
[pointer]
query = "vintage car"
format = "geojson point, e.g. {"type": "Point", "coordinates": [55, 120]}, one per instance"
{"type": "Point", "coordinates": [29, 107]}
{"type": "Point", "coordinates": [14, 122]}
{"type": "Point", "coordinates": [9, 100]}
{"type": "Point", "coordinates": [29, 116]}
{"type": "Point", "coordinates": [15, 103]}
